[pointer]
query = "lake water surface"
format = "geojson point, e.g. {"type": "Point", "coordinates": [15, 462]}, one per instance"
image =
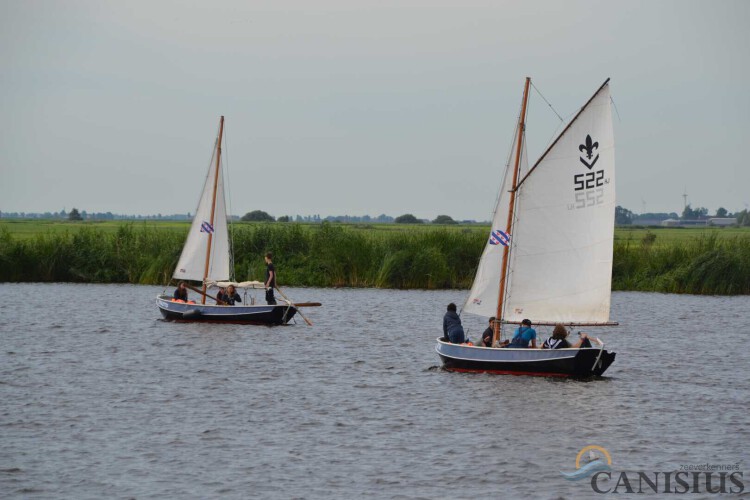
{"type": "Point", "coordinates": [100, 398]}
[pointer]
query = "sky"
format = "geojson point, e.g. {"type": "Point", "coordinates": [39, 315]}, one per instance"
{"type": "Point", "coordinates": [361, 107]}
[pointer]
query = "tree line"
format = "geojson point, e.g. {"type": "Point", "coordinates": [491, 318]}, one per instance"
{"type": "Point", "coordinates": [624, 217]}
{"type": "Point", "coordinates": [262, 216]}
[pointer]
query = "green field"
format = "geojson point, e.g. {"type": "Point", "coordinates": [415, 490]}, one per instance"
{"type": "Point", "coordinates": [672, 235]}
{"type": "Point", "coordinates": [28, 228]}
{"type": "Point", "coordinates": [677, 260]}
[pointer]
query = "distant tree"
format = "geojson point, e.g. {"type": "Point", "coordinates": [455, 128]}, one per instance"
{"type": "Point", "coordinates": [283, 218]}
{"type": "Point", "coordinates": [444, 219]}
{"type": "Point", "coordinates": [74, 215]}
{"type": "Point", "coordinates": [690, 213]}
{"type": "Point", "coordinates": [407, 219]}
{"type": "Point", "coordinates": [257, 216]}
{"type": "Point", "coordinates": [743, 218]}
{"type": "Point", "coordinates": [623, 216]}
{"type": "Point", "coordinates": [721, 212]}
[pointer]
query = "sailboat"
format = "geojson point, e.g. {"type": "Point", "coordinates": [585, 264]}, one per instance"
{"type": "Point", "coordinates": [548, 257]}
{"type": "Point", "coordinates": [207, 258]}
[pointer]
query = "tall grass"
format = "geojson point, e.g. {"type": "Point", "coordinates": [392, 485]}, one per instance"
{"type": "Point", "coordinates": [332, 255]}
{"type": "Point", "coordinates": [706, 266]}
{"type": "Point", "coordinates": [326, 255]}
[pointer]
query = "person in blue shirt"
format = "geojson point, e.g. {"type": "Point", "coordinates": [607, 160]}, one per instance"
{"type": "Point", "coordinates": [523, 336]}
{"type": "Point", "coordinates": [452, 328]}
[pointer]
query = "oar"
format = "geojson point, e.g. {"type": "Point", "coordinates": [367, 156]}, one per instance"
{"type": "Point", "coordinates": [292, 303]}
{"type": "Point", "coordinates": [198, 290]}
{"type": "Point", "coordinates": [307, 304]}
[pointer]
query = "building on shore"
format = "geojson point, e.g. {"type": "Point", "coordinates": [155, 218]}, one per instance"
{"type": "Point", "coordinates": [722, 221]}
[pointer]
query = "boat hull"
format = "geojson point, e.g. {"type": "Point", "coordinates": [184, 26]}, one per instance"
{"type": "Point", "coordinates": [541, 362]}
{"type": "Point", "coordinates": [260, 314]}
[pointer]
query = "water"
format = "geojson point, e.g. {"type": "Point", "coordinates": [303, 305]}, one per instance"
{"type": "Point", "coordinates": [100, 398]}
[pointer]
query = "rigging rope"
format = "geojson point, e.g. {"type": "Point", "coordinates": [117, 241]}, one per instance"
{"type": "Point", "coordinates": [562, 120]}
{"type": "Point", "coordinates": [228, 184]}
{"type": "Point", "coordinates": [548, 104]}
{"type": "Point", "coordinates": [500, 189]}
{"type": "Point", "coordinates": [509, 273]}
{"type": "Point", "coordinates": [615, 106]}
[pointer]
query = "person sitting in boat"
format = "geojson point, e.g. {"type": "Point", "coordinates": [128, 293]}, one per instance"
{"type": "Point", "coordinates": [558, 340]}
{"type": "Point", "coordinates": [228, 297]}
{"type": "Point", "coordinates": [523, 336]}
{"type": "Point", "coordinates": [489, 333]}
{"type": "Point", "coordinates": [181, 292]}
{"type": "Point", "coordinates": [453, 331]}
{"type": "Point", "coordinates": [584, 340]}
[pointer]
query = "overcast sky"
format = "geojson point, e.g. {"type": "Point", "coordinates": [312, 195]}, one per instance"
{"type": "Point", "coordinates": [361, 107]}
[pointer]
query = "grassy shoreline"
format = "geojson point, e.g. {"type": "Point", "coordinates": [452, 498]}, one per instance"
{"type": "Point", "coordinates": [695, 261]}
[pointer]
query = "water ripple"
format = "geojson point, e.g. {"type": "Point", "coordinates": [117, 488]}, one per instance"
{"type": "Point", "coordinates": [117, 403]}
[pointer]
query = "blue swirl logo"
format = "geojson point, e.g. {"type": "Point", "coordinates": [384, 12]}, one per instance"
{"type": "Point", "coordinates": [598, 464]}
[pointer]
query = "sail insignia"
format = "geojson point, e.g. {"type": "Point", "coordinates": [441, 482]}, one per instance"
{"type": "Point", "coordinates": [589, 147]}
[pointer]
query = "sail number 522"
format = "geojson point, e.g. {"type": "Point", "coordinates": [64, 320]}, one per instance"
{"type": "Point", "coordinates": [589, 180]}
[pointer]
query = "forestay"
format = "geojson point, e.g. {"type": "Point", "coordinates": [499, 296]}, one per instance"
{"type": "Point", "coordinates": [192, 263]}
{"type": "Point", "coordinates": [483, 298]}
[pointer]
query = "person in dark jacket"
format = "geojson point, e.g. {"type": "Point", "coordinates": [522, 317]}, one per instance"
{"type": "Point", "coordinates": [270, 279]}
{"type": "Point", "coordinates": [452, 329]}
{"type": "Point", "coordinates": [489, 333]}
{"type": "Point", "coordinates": [181, 292]}
{"type": "Point", "coordinates": [228, 296]}
{"type": "Point", "coordinates": [558, 340]}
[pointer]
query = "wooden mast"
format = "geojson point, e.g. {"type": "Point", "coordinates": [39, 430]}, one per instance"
{"type": "Point", "coordinates": [504, 272]}
{"type": "Point", "coordinates": [213, 208]}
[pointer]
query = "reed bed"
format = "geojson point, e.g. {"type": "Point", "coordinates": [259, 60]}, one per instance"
{"type": "Point", "coordinates": [333, 255]}
{"type": "Point", "coordinates": [325, 255]}
{"type": "Point", "coordinates": [707, 265]}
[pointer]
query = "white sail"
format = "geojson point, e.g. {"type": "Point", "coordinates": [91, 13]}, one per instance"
{"type": "Point", "coordinates": [192, 263]}
{"type": "Point", "coordinates": [561, 248]}
{"type": "Point", "coordinates": [482, 299]}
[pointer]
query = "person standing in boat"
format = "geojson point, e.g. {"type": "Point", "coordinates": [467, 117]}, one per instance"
{"type": "Point", "coordinates": [181, 292]}
{"type": "Point", "coordinates": [270, 279]}
{"type": "Point", "coordinates": [228, 297]}
{"type": "Point", "coordinates": [452, 328]}
{"type": "Point", "coordinates": [523, 336]}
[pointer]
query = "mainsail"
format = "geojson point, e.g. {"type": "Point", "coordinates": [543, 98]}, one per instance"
{"type": "Point", "coordinates": [561, 239]}
{"type": "Point", "coordinates": [192, 263]}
